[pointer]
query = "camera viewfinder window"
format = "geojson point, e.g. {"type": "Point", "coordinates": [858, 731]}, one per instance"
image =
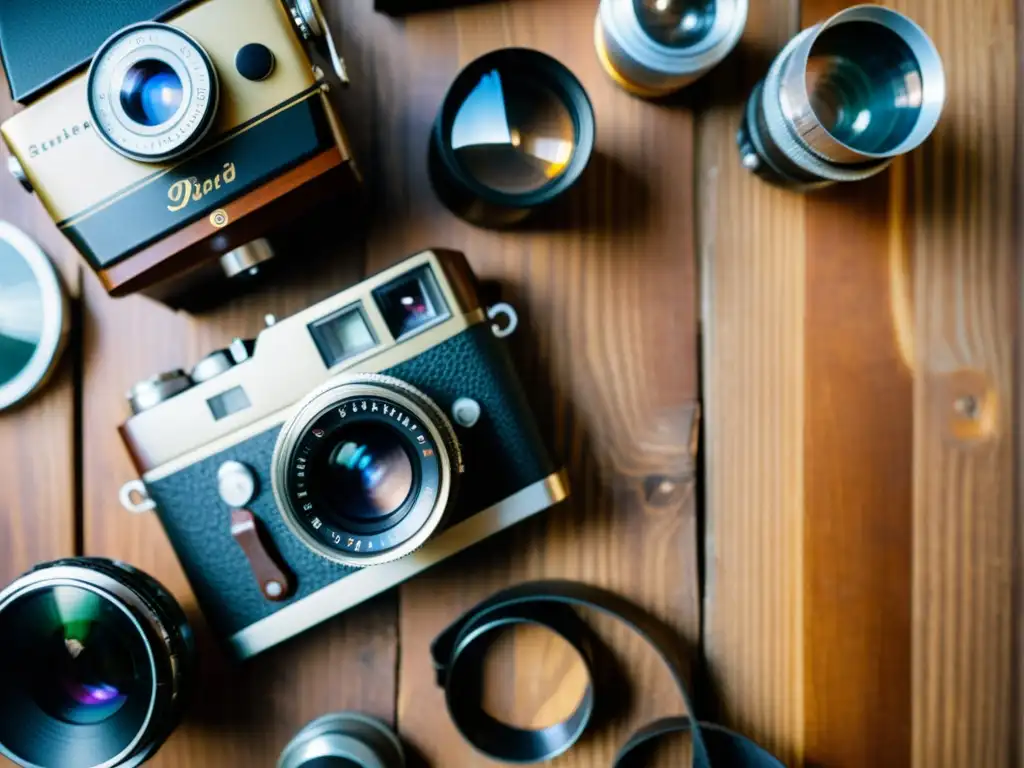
{"type": "Point", "coordinates": [411, 302]}
{"type": "Point", "coordinates": [342, 335]}
{"type": "Point", "coordinates": [227, 403]}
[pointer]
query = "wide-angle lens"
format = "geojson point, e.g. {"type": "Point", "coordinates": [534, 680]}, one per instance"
{"type": "Point", "coordinates": [842, 99]}
{"type": "Point", "coordinates": [363, 474]}
{"type": "Point", "coordinates": [151, 92]}
{"type": "Point", "coordinates": [93, 664]}
{"type": "Point", "coordinates": [514, 132]}
{"type": "Point", "coordinates": [366, 469]}
{"type": "Point", "coordinates": [676, 23]}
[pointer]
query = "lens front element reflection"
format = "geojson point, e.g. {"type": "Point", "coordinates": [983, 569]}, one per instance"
{"type": "Point", "coordinates": [513, 135]}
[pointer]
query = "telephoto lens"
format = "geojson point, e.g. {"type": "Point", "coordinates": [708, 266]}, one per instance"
{"type": "Point", "coordinates": [515, 131]}
{"type": "Point", "coordinates": [344, 740]}
{"type": "Point", "coordinates": [843, 99]}
{"type": "Point", "coordinates": [95, 660]}
{"type": "Point", "coordinates": [654, 47]}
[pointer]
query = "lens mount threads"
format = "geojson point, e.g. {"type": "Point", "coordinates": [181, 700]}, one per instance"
{"type": "Point", "coordinates": [366, 469]}
{"type": "Point", "coordinates": [458, 650]}
{"type": "Point", "coordinates": [34, 317]}
{"type": "Point", "coordinates": [654, 47]}
{"type": "Point", "coordinates": [842, 99]}
{"type": "Point", "coordinates": [515, 131]}
{"type": "Point", "coordinates": [153, 92]}
{"type": "Point", "coordinates": [344, 738]}
{"type": "Point", "coordinates": [95, 664]}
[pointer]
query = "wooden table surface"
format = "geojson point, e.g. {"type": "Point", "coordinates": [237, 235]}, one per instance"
{"type": "Point", "coordinates": [847, 558]}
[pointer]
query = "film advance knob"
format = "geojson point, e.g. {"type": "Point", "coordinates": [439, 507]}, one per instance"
{"type": "Point", "coordinates": [236, 484]}
{"type": "Point", "coordinates": [213, 365]}
{"type": "Point", "coordinates": [157, 389]}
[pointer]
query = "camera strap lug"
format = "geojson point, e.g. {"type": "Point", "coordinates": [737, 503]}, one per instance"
{"type": "Point", "coordinates": [511, 319]}
{"type": "Point", "coordinates": [132, 490]}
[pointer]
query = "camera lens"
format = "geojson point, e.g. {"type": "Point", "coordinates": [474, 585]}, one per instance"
{"type": "Point", "coordinates": [92, 662]}
{"type": "Point", "coordinates": [151, 92]}
{"type": "Point", "coordinates": [676, 23]}
{"type": "Point", "coordinates": [842, 99]}
{"type": "Point", "coordinates": [514, 132]}
{"type": "Point", "coordinates": [363, 474]}
{"type": "Point", "coordinates": [365, 470]}
{"type": "Point", "coordinates": [654, 47]}
{"type": "Point", "coordinates": [864, 86]}
{"type": "Point", "coordinates": [344, 740]}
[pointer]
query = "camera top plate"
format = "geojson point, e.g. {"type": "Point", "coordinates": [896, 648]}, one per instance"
{"type": "Point", "coordinates": [44, 41]}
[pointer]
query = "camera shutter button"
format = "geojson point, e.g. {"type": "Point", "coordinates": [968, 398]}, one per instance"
{"type": "Point", "coordinates": [254, 62]}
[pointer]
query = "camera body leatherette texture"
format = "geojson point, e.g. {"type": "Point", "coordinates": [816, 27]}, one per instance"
{"type": "Point", "coordinates": [503, 453]}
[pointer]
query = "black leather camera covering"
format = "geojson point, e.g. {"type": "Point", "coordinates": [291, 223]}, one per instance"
{"type": "Point", "coordinates": [44, 41]}
{"type": "Point", "coordinates": [503, 453]}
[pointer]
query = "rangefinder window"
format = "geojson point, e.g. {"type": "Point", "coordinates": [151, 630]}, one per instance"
{"type": "Point", "coordinates": [342, 335]}
{"type": "Point", "coordinates": [228, 403]}
{"type": "Point", "coordinates": [411, 302]}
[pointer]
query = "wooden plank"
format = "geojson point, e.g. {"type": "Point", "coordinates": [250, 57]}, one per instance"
{"type": "Point", "coordinates": [606, 292]}
{"type": "Point", "coordinates": [961, 196]}
{"type": "Point", "coordinates": [858, 465]}
{"type": "Point", "coordinates": [753, 285]}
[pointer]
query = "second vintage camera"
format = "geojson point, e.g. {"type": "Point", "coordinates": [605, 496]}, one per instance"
{"type": "Point", "coordinates": [347, 449]}
{"type": "Point", "coordinates": [197, 128]}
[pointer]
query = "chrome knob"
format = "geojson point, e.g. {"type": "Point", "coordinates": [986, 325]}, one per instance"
{"type": "Point", "coordinates": [157, 389]}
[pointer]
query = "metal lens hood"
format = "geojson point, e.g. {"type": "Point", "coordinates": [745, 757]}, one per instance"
{"type": "Point", "coordinates": [96, 661]}
{"type": "Point", "coordinates": [345, 736]}
{"type": "Point", "coordinates": [480, 98]}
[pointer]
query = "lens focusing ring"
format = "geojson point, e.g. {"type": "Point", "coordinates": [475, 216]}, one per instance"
{"type": "Point", "coordinates": [356, 400]}
{"type": "Point", "coordinates": [194, 72]}
{"type": "Point", "coordinates": [163, 629]}
{"type": "Point", "coordinates": [350, 736]}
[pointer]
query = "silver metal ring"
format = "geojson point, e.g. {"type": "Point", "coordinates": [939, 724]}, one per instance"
{"type": "Point", "coordinates": [345, 736]}
{"type": "Point", "coordinates": [193, 68]}
{"type": "Point", "coordinates": [511, 319]}
{"type": "Point", "coordinates": [34, 313]}
{"type": "Point", "coordinates": [135, 488]}
{"type": "Point", "coordinates": [415, 404]}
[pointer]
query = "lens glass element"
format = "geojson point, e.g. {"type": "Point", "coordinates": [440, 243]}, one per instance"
{"type": "Point", "coordinates": [76, 681]}
{"type": "Point", "coordinates": [512, 133]}
{"type": "Point", "coordinates": [151, 92]}
{"type": "Point", "coordinates": [21, 313]}
{"type": "Point", "coordinates": [676, 23]}
{"type": "Point", "coordinates": [865, 86]}
{"type": "Point", "coordinates": [363, 474]}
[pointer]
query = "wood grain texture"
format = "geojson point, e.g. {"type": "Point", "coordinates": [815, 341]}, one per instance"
{"type": "Point", "coordinates": [753, 278]}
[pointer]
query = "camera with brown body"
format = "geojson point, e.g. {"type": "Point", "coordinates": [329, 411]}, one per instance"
{"type": "Point", "coordinates": [198, 128]}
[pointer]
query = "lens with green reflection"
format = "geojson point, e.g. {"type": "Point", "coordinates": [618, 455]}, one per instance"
{"type": "Point", "coordinates": [93, 657]}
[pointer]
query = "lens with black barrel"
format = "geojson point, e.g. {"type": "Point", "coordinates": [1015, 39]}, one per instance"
{"type": "Point", "coordinates": [94, 663]}
{"type": "Point", "coordinates": [366, 469]}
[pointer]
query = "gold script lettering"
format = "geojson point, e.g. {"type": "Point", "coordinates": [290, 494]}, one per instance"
{"type": "Point", "coordinates": [185, 191]}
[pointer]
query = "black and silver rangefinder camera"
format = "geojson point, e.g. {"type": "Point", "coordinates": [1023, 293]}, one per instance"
{"type": "Point", "coordinates": [167, 137]}
{"type": "Point", "coordinates": [347, 449]}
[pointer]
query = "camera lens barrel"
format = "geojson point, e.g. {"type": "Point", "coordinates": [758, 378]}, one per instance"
{"type": "Point", "coordinates": [95, 662]}
{"type": "Point", "coordinates": [153, 92]}
{"type": "Point", "coordinates": [515, 131]}
{"type": "Point", "coordinates": [843, 99]}
{"type": "Point", "coordinates": [654, 47]}
{"type": "Point", "coordinates": [346, 739]}
{"type": "Point", "coordinates": [366, 469]}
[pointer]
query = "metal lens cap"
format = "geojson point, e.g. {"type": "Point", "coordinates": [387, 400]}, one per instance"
{"type": "Point", "coordinates": [516, 130]}
{"type": "Point", "coordinates": [33, 316]}
{"type": "Point", "coordinates": [344, 740]}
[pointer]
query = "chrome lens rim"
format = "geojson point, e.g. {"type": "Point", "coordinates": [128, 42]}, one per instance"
{"type": "Point", "coordinates": [54, 331]}
{"type": "Point", "coordinates": [352, 736]}
{"type": "Point", "coordinates": [796, 104]}
{"type": "Point", "coordinates": [193, 67]}
{"type": "Point", "coordinates": [620, 21]}
{"type": "Point", "coordinates": [122, 598]}
{"type": "Point", "coordinates": [428, 509]}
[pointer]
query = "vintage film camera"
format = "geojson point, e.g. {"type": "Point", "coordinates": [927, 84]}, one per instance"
{"type": "Point", "coordinates": [198, 128]}
{"type": "Point", "coordinates": [347, 449]}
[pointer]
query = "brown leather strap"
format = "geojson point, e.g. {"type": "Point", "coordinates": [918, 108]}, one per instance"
{"type": "Point", "coordinates": [274, 583]}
